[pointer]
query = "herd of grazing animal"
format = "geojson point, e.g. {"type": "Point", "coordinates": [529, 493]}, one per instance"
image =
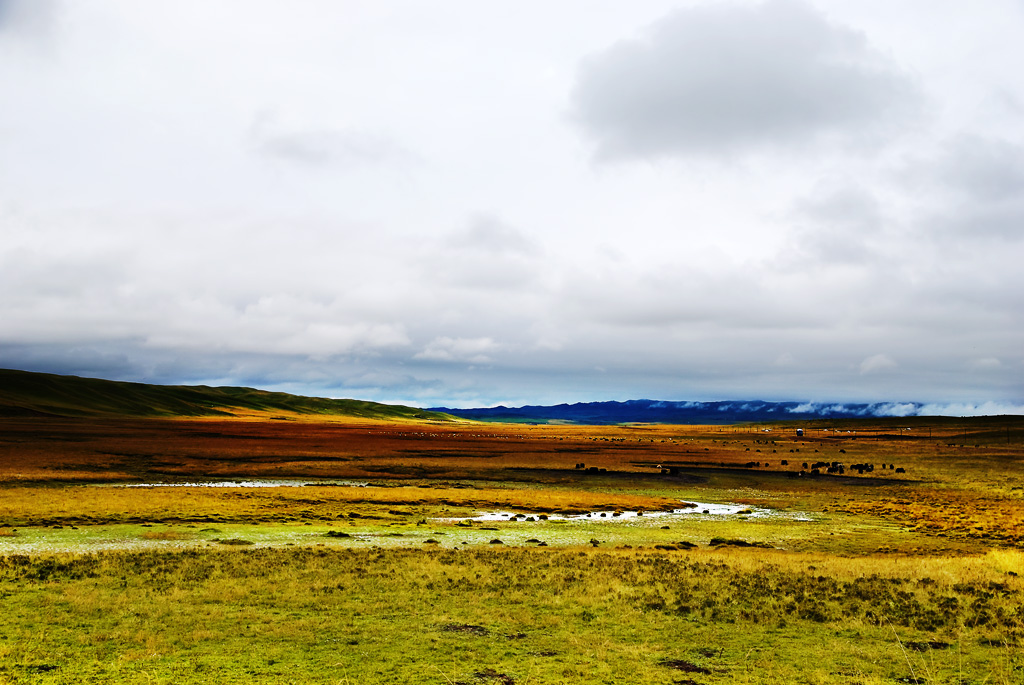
{"type": "Point", "coordinates": [814, 469]}
{"type": "Point", "coordinates": [838, 467]}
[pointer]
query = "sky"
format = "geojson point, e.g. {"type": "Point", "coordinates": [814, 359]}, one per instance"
{"type": "Point", "coordinates": [464, 203]}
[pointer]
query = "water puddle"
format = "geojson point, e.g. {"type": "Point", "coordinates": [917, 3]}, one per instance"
{"type": "Point", "coordinates": [689, 510]}
{"type": "Point", "coordinates": [257, 483]}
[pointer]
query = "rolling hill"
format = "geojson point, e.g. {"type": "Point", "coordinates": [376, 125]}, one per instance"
{"type": "Point", "coordinates": [26, 393]}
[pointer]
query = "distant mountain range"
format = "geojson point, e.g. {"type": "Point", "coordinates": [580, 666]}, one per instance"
{"type": "Point", "coordinates": [656, 411]}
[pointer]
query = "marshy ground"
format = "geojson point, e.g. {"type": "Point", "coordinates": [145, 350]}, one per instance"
{"type": "Point", "coordinates": [372, 558]}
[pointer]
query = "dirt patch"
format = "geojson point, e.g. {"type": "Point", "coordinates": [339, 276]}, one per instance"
{"type": "Point", "coordinates": [165, 535]}
{"type": "Point", "coordinates": [684, 666]}
{"type": "Point", "coordinates": [925, 646]}
{"type": "Point", "coordinates": [467, 628]}
{"type": "Point", "coordinates": [489, 675]}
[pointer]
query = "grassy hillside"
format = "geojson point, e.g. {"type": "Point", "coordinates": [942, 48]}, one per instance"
{"type": "Point", "coordinates": [24, 393]}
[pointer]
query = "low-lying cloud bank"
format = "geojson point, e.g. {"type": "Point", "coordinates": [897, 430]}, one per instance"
{"type": "Point", "coordinates": [896, 409]}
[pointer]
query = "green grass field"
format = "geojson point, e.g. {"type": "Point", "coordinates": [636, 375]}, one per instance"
{"type": "Point", "coordinates": [568, 615]}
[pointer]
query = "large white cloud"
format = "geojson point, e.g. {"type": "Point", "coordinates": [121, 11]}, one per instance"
{"type": "Point", "coordinates": [721, 77]}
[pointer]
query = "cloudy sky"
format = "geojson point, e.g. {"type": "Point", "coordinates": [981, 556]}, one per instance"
{"type": "Point", "coordinates": [469, 203]}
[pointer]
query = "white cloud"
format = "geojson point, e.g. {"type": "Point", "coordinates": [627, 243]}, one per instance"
{"type": "Point", "coordinates": [876, 363]}
{"type": "Point", "coordinates": [321, 145]}
{"type": "Point", "coordinates": [982, 168]}
{"type": "Point", "coordinates": [985, 364]}
{"type": "Point", "coordinates": [841, 225]}
{"type": "Point", "coordinates": [720, 77]}
{"type": "Point", "coordinates": [978, 186]}
{"type": "Point", "coordinates": [487, 255]}
{"type": "Point", "coordinates": [972, 409]}
{"type": "Point", "coordinates": [896, 409]}
{"type": "Point", "coordinates": [785, 359]}
{"type": "Point", "coordinates": [490, 234]}
{"type": "Point", "coordinates": [468, 350]}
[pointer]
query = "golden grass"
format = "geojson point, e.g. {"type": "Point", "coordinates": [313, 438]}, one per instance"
{"type": "Point", "coordinates": [96, 504]}
{"type": "Point", "coordinates": [949, 512]}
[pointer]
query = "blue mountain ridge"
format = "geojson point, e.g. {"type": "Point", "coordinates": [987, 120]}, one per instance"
{"type": "Point", "coordinates": [659, 411]}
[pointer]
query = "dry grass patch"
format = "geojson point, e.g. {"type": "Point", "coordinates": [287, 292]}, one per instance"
{"type": "Point", "coordinates": [94, 505]}
{"type": "Point", "coordinates": [166, 535]}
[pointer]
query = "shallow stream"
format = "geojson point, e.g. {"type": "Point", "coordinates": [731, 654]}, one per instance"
{"type": "Point", "coordinates": [689, 510]}
{"type": "Point", "coordinates": [254, 483]}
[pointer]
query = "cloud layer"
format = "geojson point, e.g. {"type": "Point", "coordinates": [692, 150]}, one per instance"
{"type": "Point", "coordinates": [475, 204]}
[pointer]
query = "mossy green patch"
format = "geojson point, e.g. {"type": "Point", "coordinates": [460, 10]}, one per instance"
{"type": "Point", "coordinates": [327, 615]}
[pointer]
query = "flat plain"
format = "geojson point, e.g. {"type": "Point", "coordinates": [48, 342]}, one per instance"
{"type": "Point", "coordinates": [279, 547]}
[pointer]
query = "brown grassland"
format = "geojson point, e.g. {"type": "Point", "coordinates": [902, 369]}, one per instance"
{"type": "Point", "coordinates": [370, 572]}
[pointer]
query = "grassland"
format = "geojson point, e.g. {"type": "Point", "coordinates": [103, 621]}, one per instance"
{"type": "Point", "coordinates": [373, 566]}
{"type": "Point", "coordinates": [311, 614]}
{"type": "Point", "coordinates": [24, 393]}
